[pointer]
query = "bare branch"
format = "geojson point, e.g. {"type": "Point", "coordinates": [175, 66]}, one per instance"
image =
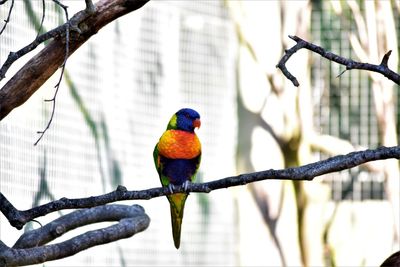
{"type": "Point", "coordinates": [40, 67]}
{"type": "Point", "coordinates": [14, 56]}
{"type": "Point", "coordinates": [73, 220]}
{"type": "Point", "coordinates": [90, 8]}
{"type": "Point", "coordinates": [385, 59]}
{"type": "Point", "coordinates": [57, 86]}
{"type": "Point", "coordinates": [42, 19]}
{"type": "Point", "coordinates": [31, 249]}
{"type": "Point", "coordinates": [333, 146]}
{"type": "Point", "coordinates": [350, 64]}
{"type": "Point", "coordinates": [308, 172]}
{"type": "Point", "coordinates": [7, 20]}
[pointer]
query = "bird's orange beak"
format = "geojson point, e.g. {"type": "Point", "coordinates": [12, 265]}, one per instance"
{"type": "Point", "coordinates": [196, 123]}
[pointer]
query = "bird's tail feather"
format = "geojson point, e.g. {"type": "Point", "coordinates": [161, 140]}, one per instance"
{"type": "Point", "coordinates": [177, 204]}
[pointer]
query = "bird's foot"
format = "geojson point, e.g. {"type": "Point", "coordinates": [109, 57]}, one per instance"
{"type": "Point", "coordinates": [186, 185]}
{"type": "Point", "coordinates": [171, 188]}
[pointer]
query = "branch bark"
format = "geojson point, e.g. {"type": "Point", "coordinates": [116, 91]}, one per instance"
{"type": "Point", "coordinates": [31, 249]}
{"type": "Point", "coordinates": [350, 64]}
{"type": "Point", "coordinates": [37, 70]}
{"type": "Point", "coordinates": [18, 218]}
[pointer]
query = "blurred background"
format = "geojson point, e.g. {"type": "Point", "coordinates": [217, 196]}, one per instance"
{"type": "Point", "coordinates": [218, 57]}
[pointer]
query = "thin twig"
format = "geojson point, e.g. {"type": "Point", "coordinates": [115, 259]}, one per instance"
{"type": "Point", "coordinates": [43, 16]}
{"type": "Point", "coordinates": [350, 64]}
{"type": "Point", "coordinates": [90, 8]}
{"type": "Point", "coordinates": [307, 172]}
{"type": "Point", "coordinates": [57, 86]}
{"type": "Point", "coordinates": [6, 21]}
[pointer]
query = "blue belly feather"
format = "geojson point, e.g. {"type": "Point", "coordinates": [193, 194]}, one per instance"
{"type": "Point", "coordinates": [179, 171]}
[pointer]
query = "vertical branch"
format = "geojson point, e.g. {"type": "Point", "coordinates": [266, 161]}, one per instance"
{"type": "Point", "coordinates": [57, 86]}
{"type": "Point", "coordinates": [90, 8]}
{"type": "Point", "coordinates": [8, 16]}
{"type": "Point", "coordinates": [43, 16]}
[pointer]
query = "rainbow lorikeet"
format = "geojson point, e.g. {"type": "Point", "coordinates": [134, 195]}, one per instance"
{"type": "Point", "coordinates": [177, 157]}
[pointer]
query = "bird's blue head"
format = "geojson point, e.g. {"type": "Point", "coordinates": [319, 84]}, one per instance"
{"type": "Point", "coordinates": [185, 119]}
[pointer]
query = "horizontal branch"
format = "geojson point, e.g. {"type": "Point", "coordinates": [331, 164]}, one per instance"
{"type": "Point", "coordinates": [31, 249]}
{"type": "Point", "coordinates": [18, 218]}
{"type": "Point", "coordinates": [39, 68]}
{"type": "Point", "coordinates": [350, 64]}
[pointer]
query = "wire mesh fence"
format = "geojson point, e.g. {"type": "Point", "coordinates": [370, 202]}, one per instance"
{"type": "Point", "coordinates": [118, 93]}
{"type": "Point", "coordinates": [344, 107]}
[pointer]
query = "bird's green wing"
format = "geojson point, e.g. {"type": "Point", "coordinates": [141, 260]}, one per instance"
{"type": "Point", "coordinates": [198, 160]}
{"type": "Point", "coordinates": [159, 166]}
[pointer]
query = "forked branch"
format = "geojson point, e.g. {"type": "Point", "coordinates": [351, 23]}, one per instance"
{"type": "Point", "coordinates": [350, 64]}
{"type": "Point", "coordinates": [39, 68]}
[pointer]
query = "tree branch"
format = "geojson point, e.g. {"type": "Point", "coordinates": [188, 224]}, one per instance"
{"type": "Point", "coordinates": [7, 20]}
{"type": "Point", "coordinates": [31, 249]}
{"type": "Point", "coordinates": [18, 218]}
{"type": "Point", "coordinates": [41, 23]}
{"type": "Point", "coordinates": [90, 8]}
{"type": "Point", "coordinates": [39, 68]}
{"type": "Point", "coordinates": [57, 86]}
{"type": "Point", "coordinates": [350, 64]}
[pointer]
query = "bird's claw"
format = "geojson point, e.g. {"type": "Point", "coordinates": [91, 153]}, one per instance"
{"type": "Point", "coordinates": [186, 185]}
{"type": "Point", "coordinates": [171, 188]}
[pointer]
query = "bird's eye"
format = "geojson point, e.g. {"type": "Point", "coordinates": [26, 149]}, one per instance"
{"type": "Point", "coordinates": [187, 116]}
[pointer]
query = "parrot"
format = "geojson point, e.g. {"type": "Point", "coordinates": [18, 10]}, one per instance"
{"type": "Point", "coordinates": [177, 157]}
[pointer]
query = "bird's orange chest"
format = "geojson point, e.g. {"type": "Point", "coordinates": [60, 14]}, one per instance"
{"type": "Point", "coordinates": [176, 144]}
